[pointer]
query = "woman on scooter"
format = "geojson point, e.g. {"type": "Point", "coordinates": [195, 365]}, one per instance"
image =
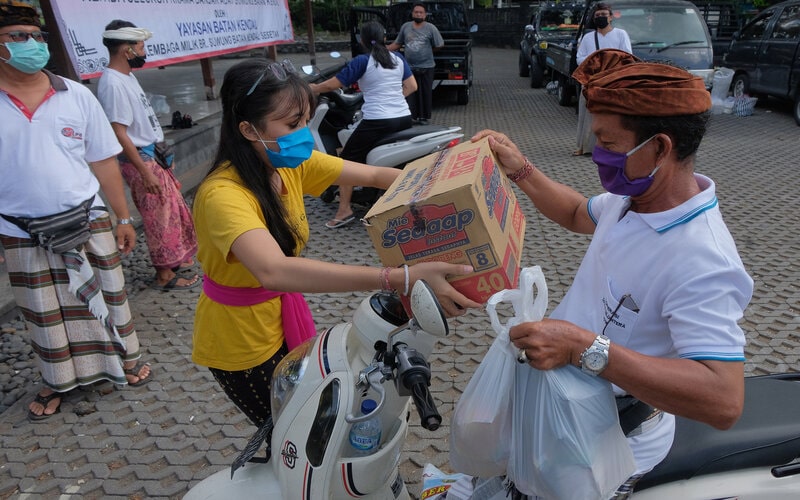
{"type": "Point", "coordinates": [385, 79]}
{"type": "Point", "coordinates": [251, 228]}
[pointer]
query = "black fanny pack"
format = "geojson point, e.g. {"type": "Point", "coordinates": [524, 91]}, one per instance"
{"type": "Point", "coordinates": [632, 413]}
{"type": "Point", "coordinates": [60, 232]}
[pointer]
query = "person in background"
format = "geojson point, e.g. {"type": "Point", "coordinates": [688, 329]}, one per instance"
{"type": "Point", "coordinates": [252, 228]}
{"type": "Point", "coordinates": [56, 151]}
{"type": "Point", "coordinates": [385, 79]}
{"type": "Point", "coordinates": [655, 304]}
{"type": "Point", "coordinates": [419, 39]}
{"type": "Point", "coordinates": [604, 36]}
{"type": "Point", "coordinates": [167, 220]}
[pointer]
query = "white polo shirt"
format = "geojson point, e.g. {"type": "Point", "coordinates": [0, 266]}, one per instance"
{"type": "Point", "coordinates": [683, 272]}
{"type": "Point", "coordinates": [44, 156]}
{"type": "Point", "coordinates": [125, 103]}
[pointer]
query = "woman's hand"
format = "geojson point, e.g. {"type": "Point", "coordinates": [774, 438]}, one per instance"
{"type": "Point", "coordinates": [435, 274]}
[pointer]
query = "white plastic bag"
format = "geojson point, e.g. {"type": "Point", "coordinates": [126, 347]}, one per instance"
{"type": "Point", "coordinates": [480, 430]}
{"type": "Point", "coordinates": [566, 439]}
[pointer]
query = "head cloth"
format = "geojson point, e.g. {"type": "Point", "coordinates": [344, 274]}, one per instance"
{"type": "Point", "coordinates": [16, 12]}
{"type": "Point", "coordinates": [617, 82]}
{"type": "Point", "coordinates": [128, 34]}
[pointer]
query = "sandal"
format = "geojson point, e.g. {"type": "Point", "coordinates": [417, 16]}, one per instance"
{"type": "Point", "coordinates": [45, 401]}
{"type": "Point", "coordinates": [172, 285]}
{"type": "Point", "coordinates": [134, 372]}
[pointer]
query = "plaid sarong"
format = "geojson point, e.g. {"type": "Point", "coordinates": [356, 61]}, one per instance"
{"type": "Point", "coordinates": [74, 347]}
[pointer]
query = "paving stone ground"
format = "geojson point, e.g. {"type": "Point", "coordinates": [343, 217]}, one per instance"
{"type": "Point", "coordinates": [159, 440]}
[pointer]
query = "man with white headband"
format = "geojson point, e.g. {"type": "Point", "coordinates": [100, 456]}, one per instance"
{"type": "Point", "coordinates": [156, 192]}
{"type": "Point", "coordinates": [57, 151]}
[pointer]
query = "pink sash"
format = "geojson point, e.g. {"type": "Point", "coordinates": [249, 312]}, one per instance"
{"type": "Point", "coordinates": [298, 325]}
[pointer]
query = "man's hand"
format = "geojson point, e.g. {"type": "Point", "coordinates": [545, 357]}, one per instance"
{"type": "Point", "coordinates": [126, 238]}
{"type": "Point", "coordinates": [551, 343]}
{"type": "Point", "coordinates": [509, 155]}
{"type": "Point", "coordinates": [150, 181]}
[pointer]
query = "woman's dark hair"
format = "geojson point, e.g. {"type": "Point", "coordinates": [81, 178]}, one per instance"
{"type": "Point", "coordinates": [373, 37]}
{"type": "Point", "coordinates": [112, 44]}
{"type": "Point", "coordinates": [272, 93]}
{"type": "Point", "coordinates": [686, 131]}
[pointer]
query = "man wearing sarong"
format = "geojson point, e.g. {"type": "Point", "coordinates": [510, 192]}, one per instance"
{"type": "Point", "coordinates": [166, 218]}
{"type": "Point", "coordinates": [56, 151]}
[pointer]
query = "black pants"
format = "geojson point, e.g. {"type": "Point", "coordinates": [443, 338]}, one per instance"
{"type": "Point", "coordinates": [368, 133]}
{"type": "Point", "coordinates": [250, 389]}
{"type": "Point", "coordinates": [421, 101]}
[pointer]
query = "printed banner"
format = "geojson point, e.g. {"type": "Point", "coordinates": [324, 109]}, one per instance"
{"type": "Point", "coordinates": [183, 30]}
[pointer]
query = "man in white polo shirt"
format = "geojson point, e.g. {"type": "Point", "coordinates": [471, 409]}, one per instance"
{"type": "Point", "coordinates": [655, 303]}
{"type": "Point", "coordinates": [56, 151]}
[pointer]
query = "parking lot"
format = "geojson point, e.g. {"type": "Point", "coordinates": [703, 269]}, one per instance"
{"type": "Point", "coordinates": [159, 440]}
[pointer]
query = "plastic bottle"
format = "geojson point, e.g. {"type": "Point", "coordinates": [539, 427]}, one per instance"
{"type": "Point", "coordinates": [365, 437]}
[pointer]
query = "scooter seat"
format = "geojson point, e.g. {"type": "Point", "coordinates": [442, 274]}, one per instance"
{"type": "Point", "coordinates": [766, 435]}
{"type": "Point", "coordinates": [409, 133]}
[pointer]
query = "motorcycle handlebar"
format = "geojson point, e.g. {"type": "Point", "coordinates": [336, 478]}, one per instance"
{"type": "Point", "coordinates": [428, 414]}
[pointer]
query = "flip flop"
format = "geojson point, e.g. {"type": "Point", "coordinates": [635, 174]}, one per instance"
{"type": "Point", "coordinates": [172, 285]}
{"type": "Point", "coordinates": [134, 371]}
{"type": "Point", "coordinates": [44, 401]}
{"type": "Point", "coordinates": [183, 266]}
{"type": "Point", "coordinates": [334, 223]}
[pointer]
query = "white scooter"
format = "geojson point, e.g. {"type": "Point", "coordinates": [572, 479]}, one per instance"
{"type": "Point", "coordinates": [759, 458]}
{"type": "Point", "coordinates": [316, 392]}
{"type": "Point", "coordinates": [337, 115]}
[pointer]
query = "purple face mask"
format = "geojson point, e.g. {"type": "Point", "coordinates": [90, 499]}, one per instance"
{"type": "Point", "coordinates": [611, 169]}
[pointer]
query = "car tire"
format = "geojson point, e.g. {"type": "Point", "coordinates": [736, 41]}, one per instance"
{"type": "Point", "coordinates": [564, 91]}
{"type": "Point", "coordinates": [740, 85]}
{"type": "Point", "coordinates": [537, 74]}
{"type": "Point", "coordinates": [796, 108]}
{"type": "Point", "coordinates": [523, 65]}
{"type": "Point", "coordinates": [462, 97]}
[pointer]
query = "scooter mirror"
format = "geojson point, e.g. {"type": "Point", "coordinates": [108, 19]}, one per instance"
{"type": "Point", "coordinates": [335, 55]}
{"type": "Point", "coordinates": [427, 311]}
{"type": "Point", "coordinates": [310, 70]}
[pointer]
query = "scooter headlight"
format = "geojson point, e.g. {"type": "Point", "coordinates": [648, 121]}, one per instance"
{"type": "Point", "coordinates": [287, 376]}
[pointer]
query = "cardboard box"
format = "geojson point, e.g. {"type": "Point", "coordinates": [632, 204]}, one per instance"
{"type": "Point", "coordinates": [454, 206]}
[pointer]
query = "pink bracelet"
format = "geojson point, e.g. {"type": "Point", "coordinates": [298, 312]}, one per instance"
{"type": "Point", "coordinates": [383, 279]}
{"type": "Point", "coordinates": [523, 173]}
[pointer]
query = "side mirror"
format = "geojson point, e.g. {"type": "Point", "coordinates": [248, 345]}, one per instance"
{"type": "Point", "coordinates": [311, 70]}
{"type": "Point", "coordinates": [736, 35]}
{"type": "Point", "coordinates": [528, 28]}
{"type": "Point", "coordinates": [473, 28]}
{"type": "Point", "coordinates": [427, 311]}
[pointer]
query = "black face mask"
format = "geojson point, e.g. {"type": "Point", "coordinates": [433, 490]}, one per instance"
{"type": "Point", "coordinates": [137, 61]}
{"type": "Point", "coordinates": [418, 20]}
{"type": "Point", "coordinates": [601, 22]}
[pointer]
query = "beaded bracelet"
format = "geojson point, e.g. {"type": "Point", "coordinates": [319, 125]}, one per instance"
{"type": "Point", "coordinates": [383, 279]}
{"type": "Point", "coordinates": [523, 173]}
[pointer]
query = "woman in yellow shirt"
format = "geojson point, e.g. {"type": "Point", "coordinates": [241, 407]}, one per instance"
{"type": "Point", "coordinates": [252, 227]}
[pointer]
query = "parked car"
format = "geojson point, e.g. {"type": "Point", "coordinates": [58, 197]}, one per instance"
{"type": "Point", "coordinates": [551, 23]}
{"type": "Point", "coordinates": [668, 31]}
{"type": "Point", "coordinates": [765, 55]}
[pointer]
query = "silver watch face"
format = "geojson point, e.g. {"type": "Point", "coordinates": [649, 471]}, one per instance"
{"type": "Point", "coordinates": [595, 361]}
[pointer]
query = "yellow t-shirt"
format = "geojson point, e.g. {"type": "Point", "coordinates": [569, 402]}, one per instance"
{"type": "Point", "coordinates": [235, 338]}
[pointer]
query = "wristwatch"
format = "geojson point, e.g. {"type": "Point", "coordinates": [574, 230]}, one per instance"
{"type": "Point", "coordinates": [127, 220]}
{"type": "Point", "coordinates": [595, 358]}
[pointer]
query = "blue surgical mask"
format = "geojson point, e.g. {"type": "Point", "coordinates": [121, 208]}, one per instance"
{"type": "Point", "coordinates": [29, 56]}
{"type": "Point", "coordinates": [295, 148]}
{"type": "Point", "coordinates": [611, 169]}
